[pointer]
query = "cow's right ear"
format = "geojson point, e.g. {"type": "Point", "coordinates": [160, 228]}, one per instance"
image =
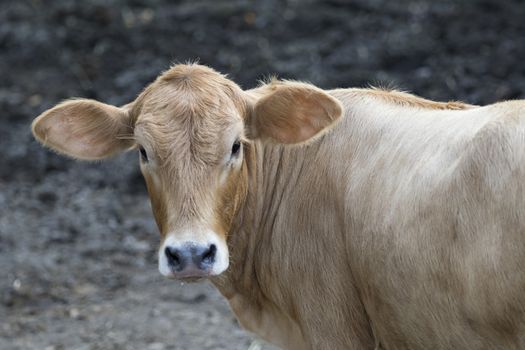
{"type": "Point", "coordinates": [292, 113]}
{"type": "Point", "coordinates": [85, 129]}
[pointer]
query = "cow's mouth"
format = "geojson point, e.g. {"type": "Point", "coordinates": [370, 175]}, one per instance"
{"type": "Point", "coordinates": [191, 276]}
{"type": "Point", "coordinates": [191, 279]}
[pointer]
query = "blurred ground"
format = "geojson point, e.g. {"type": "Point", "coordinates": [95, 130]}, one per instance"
{"type": "Point", "coordinates": [77, 241]}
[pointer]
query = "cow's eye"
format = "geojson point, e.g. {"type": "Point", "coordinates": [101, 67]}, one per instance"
{"type": "Point", "coordinates": [143, 154]}
{"type": "Point", "coordinates": [236, 148]}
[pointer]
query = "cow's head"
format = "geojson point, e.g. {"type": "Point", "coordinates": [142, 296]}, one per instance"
{"type": "Point", "coordinates": [192, 129]}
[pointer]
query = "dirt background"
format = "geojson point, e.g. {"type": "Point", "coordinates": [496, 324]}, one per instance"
{"type": "Point", "coordinates": [77, 240]}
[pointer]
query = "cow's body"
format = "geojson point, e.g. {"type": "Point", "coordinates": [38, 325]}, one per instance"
{"type": "Point", "coordinates": [403, 227]}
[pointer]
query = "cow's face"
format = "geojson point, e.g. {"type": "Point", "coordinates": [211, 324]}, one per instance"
{"type": "Point", "coordinates": [192, 129]}
{"type": "Point", "coordinates": [190, 135]}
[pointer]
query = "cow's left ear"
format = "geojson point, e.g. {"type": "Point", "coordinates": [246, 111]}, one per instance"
{"type": "Point", "coordinates": [292, 112]}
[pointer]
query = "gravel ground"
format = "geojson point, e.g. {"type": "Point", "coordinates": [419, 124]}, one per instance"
{"type": "Point", "coordinates": [77, 240]}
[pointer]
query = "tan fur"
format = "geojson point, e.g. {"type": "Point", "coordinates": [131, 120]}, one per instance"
{"type": "Point", "coordinates": [276, 118]}
{"type": "Point", "coordinates": [88, 129]}
{"type": "Point", "coordinates": [406, 99]}
{"type": "Point", "coordinates": [400, 228]}
{"type": "Point", "coordinates": [182, 129]}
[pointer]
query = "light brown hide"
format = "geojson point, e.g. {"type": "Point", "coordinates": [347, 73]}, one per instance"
{"type": "Point", "coordinates": [400, 228]}
{"type": "Point", "coordinates": [182, 127]}
{"type": "Point", "coordinates": [84, 138]}
{"type": "Point", "coordinates": [291, 123]}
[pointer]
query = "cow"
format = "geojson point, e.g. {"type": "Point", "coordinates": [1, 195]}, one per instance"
{"type": "Point", "coordinates": [358, 218]}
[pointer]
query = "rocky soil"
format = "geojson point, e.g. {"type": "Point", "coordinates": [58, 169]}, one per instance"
{"type": "Point", "coordinates": [77, 240]}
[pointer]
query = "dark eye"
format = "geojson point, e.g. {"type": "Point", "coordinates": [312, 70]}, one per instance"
{"type": "Point", "coordinates": [236, 148]}
{"type": "Point", "coordinates": [143, 154]}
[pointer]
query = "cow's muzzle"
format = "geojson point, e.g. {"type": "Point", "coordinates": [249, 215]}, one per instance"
{"type": "Point", "coordinates": [191, 260]}
{"type": "Point", "coordinates": [193, 255]}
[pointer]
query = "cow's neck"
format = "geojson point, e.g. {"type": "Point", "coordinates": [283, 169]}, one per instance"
{"type": "Point", "coordinates": [270, 173]}
{"type": "Point", "coordinates": [275, 268]}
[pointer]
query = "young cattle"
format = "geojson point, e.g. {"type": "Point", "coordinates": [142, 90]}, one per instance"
{"type": "Point", "coordinates": [341, 219]}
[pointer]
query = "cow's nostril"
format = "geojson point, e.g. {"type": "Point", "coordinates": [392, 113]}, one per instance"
{"type": "Point", "coordinates": [209, 255]}
{"type": "Point", "coordinates": [173, 256]}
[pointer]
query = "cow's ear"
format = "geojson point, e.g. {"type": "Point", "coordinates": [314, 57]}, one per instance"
{"type": "Point", "coordinates": [85, 129]}
{"type": "Point", "coordinates": [292, 112]}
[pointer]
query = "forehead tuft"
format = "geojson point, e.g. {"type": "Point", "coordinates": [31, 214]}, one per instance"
{"type": "Point", "coordinates": [190, 89]}
{"type": "Point", "coordinates": [190, 74]}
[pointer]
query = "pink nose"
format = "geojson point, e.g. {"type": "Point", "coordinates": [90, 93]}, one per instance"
{"type": "Point", "coordinates": [190, 259]}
